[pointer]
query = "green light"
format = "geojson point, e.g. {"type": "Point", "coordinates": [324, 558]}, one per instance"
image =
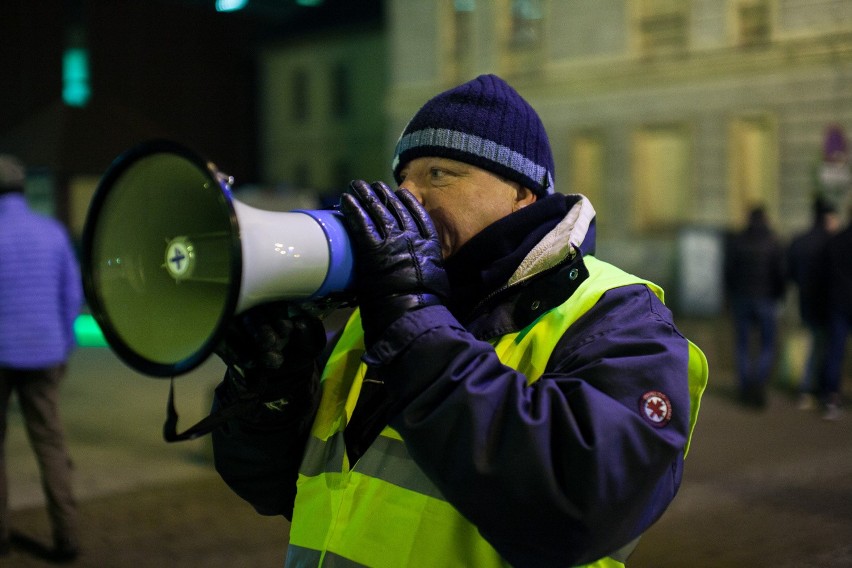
{"type": "Point", "coordinates": [309, 3]}
{"type": "Point", "coordinates": [75, 77]}
{"type": "Point", "coordinates": [87, 332]}
{"type": "Point", "coordinates": [230, 5]}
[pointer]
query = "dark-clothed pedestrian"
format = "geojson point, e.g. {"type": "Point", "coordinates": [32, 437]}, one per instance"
{"type": "Point", "coordinates": [501, 396]}
{"type": "Point", "coordinates": [839, 268]}
{"type": "Point", "coordinates": [806, 266]}
{"type": "Point", "coordinates": [755, 280]}
{"type": "Point", "coordinates": [40, 297]}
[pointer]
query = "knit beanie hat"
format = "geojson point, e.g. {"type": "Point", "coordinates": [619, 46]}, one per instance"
{"type": "Point", "coordinates": [486, 123]}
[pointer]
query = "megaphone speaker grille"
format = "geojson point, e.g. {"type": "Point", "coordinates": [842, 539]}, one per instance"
{"type": "Point", "coordinates": [161, 258]}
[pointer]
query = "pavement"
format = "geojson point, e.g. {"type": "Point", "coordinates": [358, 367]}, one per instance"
{"type": "Point", "coordinates": [769, 487]}
{"type": "Point", "coordinates": [113, 417]}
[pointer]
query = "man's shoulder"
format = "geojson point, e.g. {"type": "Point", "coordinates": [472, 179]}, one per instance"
{"type": "Point", "coordinates": [44, 222]}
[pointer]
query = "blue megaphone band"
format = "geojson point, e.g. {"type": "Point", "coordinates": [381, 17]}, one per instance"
{"type": "Point", "coordinates": [340, 259]}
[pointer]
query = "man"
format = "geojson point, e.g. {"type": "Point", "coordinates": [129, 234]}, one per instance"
{"type": "Point", "coordinates": [839, 274]}
{"type": "Point", "coordinates": [806, 268]}
{"type": "Point", "coordinates": [755, 279]}
{"type": "Point", "coordinates": [500, 397]}
{"type": "Point", "coordinates": [40, 297]}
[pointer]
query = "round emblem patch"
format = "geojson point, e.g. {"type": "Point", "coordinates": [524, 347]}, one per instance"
{"type": "Point", "coordinates": [656, 408]}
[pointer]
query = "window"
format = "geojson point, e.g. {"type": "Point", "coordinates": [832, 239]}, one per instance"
{"type": "Point", "coordinates": [753, 23]}
{"type": "Point", "coordinates": [340, 91]}
{"type": "Point", "coordinates": [301, 176]}
{"type": "Point", "coordinates": [587, 167]}
{"type": "Point", "coordinates": [521, 29]}
{"type": "Point", "coordinates": [527, 23]}
{"type": "Point", "coordinates": [300, 109]}
{"type": "Point", "coordinates": [662, 26]}
{"type": "Point", "coordinates": [459, 40]}
{"type": "Point", "coordinates": [661, 176]}
{"type": "Point", "coordinates": [752, 174]}
{"type": "Point", "coordinates": [462, 27]}
{"type": "Point", "coordinates": [341, 174]}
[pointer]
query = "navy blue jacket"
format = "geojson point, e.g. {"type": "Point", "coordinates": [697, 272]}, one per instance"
{"type": "Point", "coordinates": [838, 255]}
{"type": "Point", "coordinates": [558, 473]}
{"type": "Point", "coordinates": [807, 267]}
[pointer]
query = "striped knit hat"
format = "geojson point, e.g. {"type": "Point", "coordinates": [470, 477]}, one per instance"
{"type": "Point", "coordinates": [486, 123]}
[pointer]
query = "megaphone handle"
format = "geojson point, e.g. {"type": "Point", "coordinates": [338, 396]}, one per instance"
{"type": "Point", "coordinates": [206, 424]}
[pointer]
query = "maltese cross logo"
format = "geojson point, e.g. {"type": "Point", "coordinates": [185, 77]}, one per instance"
{"type": "Point", "coordinates": [656, 408]}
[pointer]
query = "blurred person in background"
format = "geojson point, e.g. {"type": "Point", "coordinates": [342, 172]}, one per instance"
{"type": "Point", "coordinates": [806, 267]}
{"type": "Point", "coordinates": [755, 281]}
{"type": "Point", "coordinates": [40, 297]}
{"type": "Point", "coordinates": [500, 397]}
{"type": "Point", "coordinates": [839, 269]}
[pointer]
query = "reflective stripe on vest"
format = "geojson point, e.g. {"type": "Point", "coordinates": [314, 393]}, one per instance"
{"type": "Point", "coordinates": [383, 511]}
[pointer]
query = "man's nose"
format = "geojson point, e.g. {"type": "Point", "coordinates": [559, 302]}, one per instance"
{"type": "Point", "coordinates": [413, 190]}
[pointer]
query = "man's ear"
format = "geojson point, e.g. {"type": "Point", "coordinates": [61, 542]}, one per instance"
{"type": "Point", "coordinates": [524, 197]}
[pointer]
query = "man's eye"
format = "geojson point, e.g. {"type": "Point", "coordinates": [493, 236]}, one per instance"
{"type": "Point", "coordinates": [437, 173]}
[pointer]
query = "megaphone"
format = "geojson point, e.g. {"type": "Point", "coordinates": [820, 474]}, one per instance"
{"type": "Point", "coordinates": [169, 257]}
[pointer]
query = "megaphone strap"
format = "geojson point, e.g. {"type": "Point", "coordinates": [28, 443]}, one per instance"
{"type": "Point", "coordinates": [206, 424]}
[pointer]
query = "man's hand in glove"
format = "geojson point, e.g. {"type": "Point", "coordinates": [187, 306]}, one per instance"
{"type": "Point", "coordinates": [271, 353]}
{"type": "Point", "coordinates": [398, 261]}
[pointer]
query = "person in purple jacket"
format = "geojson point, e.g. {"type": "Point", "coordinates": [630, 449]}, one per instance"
{"type": "Point", "coordinates": [40, 297]}
{"type": "Point", "coordinates": [500, 396]}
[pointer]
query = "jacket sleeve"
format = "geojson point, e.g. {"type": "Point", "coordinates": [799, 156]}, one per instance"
{"type": "Point", "coordinates": [258, 455]}
{"type": "Point", "coordinates": [561, 472]}
{"type": "Point", "coordinates": [72, 293]}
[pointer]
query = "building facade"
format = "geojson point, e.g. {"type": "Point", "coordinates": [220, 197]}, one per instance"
{"type": "Point", "coordinates": [674, 116]}
{"type": "Point", "coordinates": [321, 100]}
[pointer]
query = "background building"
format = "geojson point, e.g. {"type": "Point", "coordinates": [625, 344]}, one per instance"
{"type": "Point", "coordinates": [673, 116]}
{"type": "Point", "coordinates": [84, 80]}
{"type": "Point", "coordinates": [321, 101]}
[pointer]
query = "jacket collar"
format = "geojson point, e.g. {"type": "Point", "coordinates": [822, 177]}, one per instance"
{"type": "Point", "coordinates": [517, 306]}
{"type": "Point", "coordinates": [574, 233]}
{"type": "Point", "coordinates": [548, 275]}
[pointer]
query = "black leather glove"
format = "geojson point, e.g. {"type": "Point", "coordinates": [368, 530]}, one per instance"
{"type": "Point", "coordinates": [271, 352]}
{"type": "Point", "coordinates": [398, 261]}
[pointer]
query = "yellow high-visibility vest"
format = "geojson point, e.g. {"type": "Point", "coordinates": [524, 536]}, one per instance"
{"type": "Point", "coordinates": [383, 511]}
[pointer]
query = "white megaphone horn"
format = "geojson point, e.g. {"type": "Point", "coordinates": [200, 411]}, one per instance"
{"type": "Point", "coordinates": [169, 257]}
